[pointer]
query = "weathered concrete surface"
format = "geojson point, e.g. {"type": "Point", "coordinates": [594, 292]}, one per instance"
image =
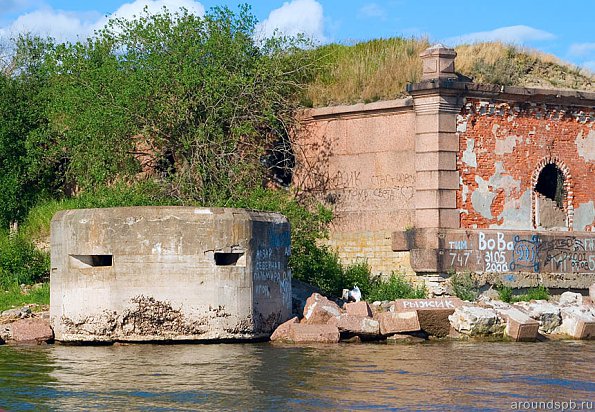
{"type": "Point", "coordinates": [168, 273]}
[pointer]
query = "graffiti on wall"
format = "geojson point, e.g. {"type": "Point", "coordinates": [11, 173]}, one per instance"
{"type": "Point", "coordinates": [502, 252]}
{"type": "Point", "coordinates": [271, 277]}
{"type": "Point", "coordinates": [355, 190]}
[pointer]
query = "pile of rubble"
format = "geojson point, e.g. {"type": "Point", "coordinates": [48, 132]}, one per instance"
{"type": "Point", "coordinates": [415, 320]}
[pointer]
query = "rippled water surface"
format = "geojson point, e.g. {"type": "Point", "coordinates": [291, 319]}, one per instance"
{"type": "Point", "coordinates": [263, 376]}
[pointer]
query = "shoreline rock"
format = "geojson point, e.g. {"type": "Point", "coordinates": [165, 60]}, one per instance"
{"type": "Point", "coordinates": [417, 320]}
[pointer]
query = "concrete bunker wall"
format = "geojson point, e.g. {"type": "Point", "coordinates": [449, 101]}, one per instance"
{"type": "Point", "coordinates": [360, 161]}
{"type": "Point", "coordinates": [168, 273]}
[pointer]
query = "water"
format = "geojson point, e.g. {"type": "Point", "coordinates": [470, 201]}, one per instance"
{"type": "Point", "coordinates": [434, 376]}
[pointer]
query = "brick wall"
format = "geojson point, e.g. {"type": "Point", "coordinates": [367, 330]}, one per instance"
{"type": "Point", "coordinates": [373, 247]}
{"type": "Point", "coordinates": [503, 146]}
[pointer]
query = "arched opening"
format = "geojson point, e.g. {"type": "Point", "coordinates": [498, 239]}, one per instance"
{"type": "Point", "coordinates": [550, 191]}
{"type": "Point", "coordinates": [280, 162]}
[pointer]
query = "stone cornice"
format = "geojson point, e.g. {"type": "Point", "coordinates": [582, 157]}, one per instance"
{"type": "Point", "coordinates": [503, 93]}
{"type": "Point", "coordinates": [358, 110]}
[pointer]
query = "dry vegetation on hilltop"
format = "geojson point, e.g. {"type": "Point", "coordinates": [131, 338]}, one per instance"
{"type": "Point", "coordinates": [379, 69]}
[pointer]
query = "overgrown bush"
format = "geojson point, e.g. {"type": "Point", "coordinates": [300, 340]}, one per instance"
{"type": "Point", "coordinates": [21, 262]}
{"type": "Point", "coordinates": [395, 287]}
{"type": "Point", "coordinates": [464, 286]}
{"type": "Point", "coordinates": [506, 294]}
{"type": "Point", "coordinates": [358, 274]}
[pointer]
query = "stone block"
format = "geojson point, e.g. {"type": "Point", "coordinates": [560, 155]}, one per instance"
{"type": "Point", "coordinates": [435, 161]}
{"type": "Point", "coordinates": [435, 141]}
{"type": "Point", "coordinates": [432, 120]}
{"type": "Point", "coordinates": [319, 310]}
{"type": "Point", "coordinates": [431, 199]}
{"type": "Point", "coordinates": [435, 322]}
{"type": "Point", "coordinates": [592, 292]}
{"type": "Point", "coordinates": [5, 332]}
{"type": "Point", "coordinates": [425, 260]}
{"type": "Point", "coordinates": [438, 62]}
{"type": "Point", "coordinates": [577, 322]}
{"type": "Point", "coordinates": [437, 217]}
{"type": "Point", "coordinates": [436, 179]}
{"type": "Point", "coordinates": [519, 326]}
{"type": "Point", "coordinates": [358, 309]}
{"type": "Point", "coordinates": [32, 331]}
{"type": "Point", "coordinates": [304, 333]}
{"type": "Point", "coordinates": [283, 331]}
{"type": "Point", "coordinates": [402, 241]}
{"type": "Point", "coordinates": [571, 298]}
{"type": "Point", "coordinates": [402, 305]}
{"type": "Point", "coordinates": [476, 321]}
{"type": "Point", "coordinates": [357, 325]}
{"type": "Point", "coordinates": [547, 314]}
{"type": "Point", "coordinates": [432, 313]}
{"type": "Point", "coordinates": [395, 322]}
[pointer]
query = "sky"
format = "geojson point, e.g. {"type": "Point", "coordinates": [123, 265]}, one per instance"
{"type": "Point", "coordinates": [564, 29]}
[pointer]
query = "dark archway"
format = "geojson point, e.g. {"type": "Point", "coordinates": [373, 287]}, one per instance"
{"type": "Point", "coordinates": [551, 194]}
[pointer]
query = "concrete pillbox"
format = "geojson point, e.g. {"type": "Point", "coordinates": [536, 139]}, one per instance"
{"type": "Point", "coordinates": [168, 274]}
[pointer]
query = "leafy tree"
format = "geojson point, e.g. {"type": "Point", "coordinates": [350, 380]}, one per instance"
{"type": "Point", "coordinates": [196, 101]}
{"type": "Point", "coordinates": [22, 105]}
{"type": "Point", "coordinates": [168, 108]}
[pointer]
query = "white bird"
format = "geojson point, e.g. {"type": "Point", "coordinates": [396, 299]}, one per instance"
{"type": "Point", "coordinates": [354, 295]}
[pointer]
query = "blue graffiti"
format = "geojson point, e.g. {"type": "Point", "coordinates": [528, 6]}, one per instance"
{"type": "Point", "coordinates": [525, 253]}
{"type": "Point", "coordinates": [279, 237]}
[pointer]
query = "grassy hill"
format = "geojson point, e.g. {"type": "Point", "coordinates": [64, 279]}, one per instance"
{"type": "Point", "coordinates": [379, 69]}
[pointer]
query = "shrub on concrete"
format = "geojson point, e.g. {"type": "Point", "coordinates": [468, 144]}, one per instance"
{"type": "Point", "coordinates": [464, 286]}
